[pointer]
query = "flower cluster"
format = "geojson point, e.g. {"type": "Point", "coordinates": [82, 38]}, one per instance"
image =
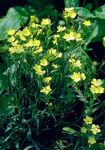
{"type": "Point", "coordinates": [54, 62]}
{"type": "Point", "coordinates": [77, 76]}
{"type": "Point", "coordinates": [75, 62]}
{"type": "Point", "coordinates": [72, 36]}
{"type": "Point", "coordinates": [96, 87]}
{"type": "Point", "coordinates": [90, 129]}
{"type": "Point", "coordinates": [69, 13]}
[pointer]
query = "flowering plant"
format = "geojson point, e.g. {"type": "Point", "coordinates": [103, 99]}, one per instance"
{"type": "Point", "coordinates": [49, 70]}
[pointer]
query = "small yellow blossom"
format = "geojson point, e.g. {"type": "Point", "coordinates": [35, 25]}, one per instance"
{"type": "Point", "coordinates": [11, 32]}
{"type": "Point", "coordinates": [56, 38]}
{"type": "Point", "coordinates": [46, 90]}
{"type": "Point", "coordinates": [39, 31]}
{"type": "Point", "coordinates": [75, 63]}
{"type": "Point", "coordinates": [11, 50]}
{"type": "Point", "coordinates": [11, 39]}
{"type": "Point", "coordinates": [15, 43]}
{"type": "Point", "coordinates": [97, 82]}
{"type": "Point", "coordinates": [45, 22]}
{"type": "Point", "coordinates": [91, 140]}
{"type": "Point", "coordinates": [96, 90]}
{"type": "Point", "coordinates": [88, 120]}
{"type": "Point", "coordinates": [52, 51]}
{"type": "Point", "coordinates": [38, 69]}
{"type": "Point", "coordinates": [95, 129]}
{"type": "Point", "coordinates": [60, 28]}
{"type": "Point", "coordinates": [83, 130]}
{"type": "Point", "coordinates": [40, 49]}
{"type": "Point", "coordinates": [47, 79]}
{"type": "Point", "coordinates": [43, 62]}
{"type": "Point", "coordinates": [59, 55]}
{"type": "Point", "coordinates": [78, 37]}
{"type": "Point", "coordinates": [83, 77]}
{"type": "Point", "coordinates": [87, 23]}
{"type": "Point", "coordinates": [33, 25]}
{"type": "Point", "coordinates": [69, 13]}
{"type": "Point", "coordinates": [20, 35]}
{"type": "Point", "coordinates": [69, 36]}
{"type": "Point", "coordinates": [96, 87]}
{"type": "Point", "coordinates": [26, 32]}
{"type": "Point", "coordinates": [36, 43]}
{"type": "Point", "coordinates": [55, 66]}
{"type": "Point", "coordinates": [34, 18]}
{"type": "Point", "coordinates": [77, 76]}
{"type": "Point", "coordinates": [29, 43]}
{"type": "Point", "coordinates": [16, 49]}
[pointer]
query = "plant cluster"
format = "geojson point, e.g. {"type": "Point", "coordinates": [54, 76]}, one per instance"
{"type": "Point", "coordinates": [48, 71]}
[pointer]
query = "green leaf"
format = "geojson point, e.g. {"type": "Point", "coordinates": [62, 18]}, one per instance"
{"type": "Point", "coordinates": [89, 6]}
{"type": "Point", "coordinates": [95, 147]}
{"type": "Point", "coordinates": [3, 78]}
{"type": "Point", "coordinates": [69, 130]}
{"type": "Point", "coordinates": [15, 18]}
{"type": "Point", "coordinates": [71, 3]}
{"type": "Point", "coordinates": [4, 103]}
{"type": "Point", "coordinates": [98, 31]}
{"type": "Point", "coordinates": [100, 12]}
{"type": "Point", "coordinates": [28, 147]}
{"type": "Point", "coordinates": [84, 13]}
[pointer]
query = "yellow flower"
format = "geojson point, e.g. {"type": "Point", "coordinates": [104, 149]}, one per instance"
{"type": "Point", "coordinates": [96, 87]}
{"type": "Point", "coordinates": [87, 23]}
{"type": "Point", "coordinates": [55, 38]}
{"type": "Point", "coordinates": [16, 49]}
{"type": "Point", "coordinates": [11, 50]}
{"type": "Point", "coordinates": [36, 43]}
{"type": "Point", "coordinates": [45, 22]}
{"type": "Point", "coordinates": [97, 82]}
{"type": "Point", "coordinates": [38, 50]}
{"type": "Point", "coordinates": [83, 77]}
{"type": "Point", "coordinates": [33, 25]}
{"type": "Point", "coordinates": [59, 55]}
{"type": "Point", "coordinates": [47, 79]}
{"type": "Point", "coordinates": [75, 63]}
{"type": "Point", "coordinates": [83, 130]}
{"type": "Point", "coordinates": [29, 43]}
{"type": "Point", "coordinates": [78, 37]}
{"type": "Point", "coordinates": [96, 90]}
{"type": "Point", "coordinates": [34, 18]}
{"type": "Point", "coordinates": [95, 129]}
{"type": "Point", "coordinates": [88, 120]}
{"type": "Point", "coordinates": [38, 69]}
{"type": "Point", "coordinates": [52, 51]}
{"type": "Point", "coordinates": [26, 32]}
{"type": "Point", "coordinates": [69, 13]}
{"type": "Point", "coordinates": [15, 43]}
{"type": "Point", "coordinates": [60, 28]}
{"type": "Point", "coordinates": [46, 90]}
{"type": "Point", "coordinates": [78, 64]}
{"type": "Point", "coordinates": [91, 140]}
{"type": "Point", "coordinates": [11, 39]}
{"type": "Point", "coordinates": [39, 31]}
{"type": "Point", "coordinates": [77, 76]}
{"type": "Point", "coordinates": [20, 35]}
{"type": "Point", "coordinates": [11, 32]}
{"type": "Point", "coordinates": [43, 62]}
{"type": "Point", "coordinates": [55, 66]}
{"type": "Point", "coordinates": [69, 36]}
